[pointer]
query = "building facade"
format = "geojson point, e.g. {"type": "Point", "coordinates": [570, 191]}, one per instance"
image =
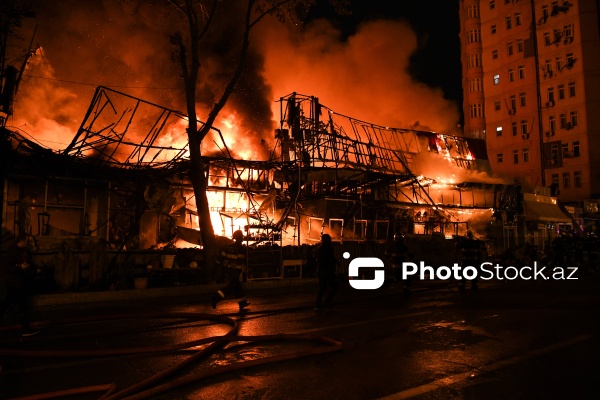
{"type": "Point", "coordinates": [531, 83]}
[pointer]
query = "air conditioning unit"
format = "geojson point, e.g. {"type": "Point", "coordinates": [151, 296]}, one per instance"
{"type": "Point", "coordinates": [550, 103]}
{"type": "Point", "coordinates": [525, 136]}
{"type": "Point", "coordinates": [568, 126]}
{"type": "Point", "coordinates": [512, 111]}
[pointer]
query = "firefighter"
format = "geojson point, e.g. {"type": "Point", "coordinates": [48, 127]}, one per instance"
{"type": "Point", "coordinates": [396, 252]}
{"type": "Point", "coordinates": [469, 254]}
{"type": "Point", "coordinates": [233, 259]}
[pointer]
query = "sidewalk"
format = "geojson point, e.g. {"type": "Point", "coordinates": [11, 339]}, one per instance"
{"type": "Point", "coordinates": [272, 285]}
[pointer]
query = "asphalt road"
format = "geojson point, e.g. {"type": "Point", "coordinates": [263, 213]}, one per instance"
{"type": "Point", "coordinates": [507, 340]}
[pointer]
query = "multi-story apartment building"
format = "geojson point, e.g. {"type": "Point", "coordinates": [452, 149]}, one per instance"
{"type": "Point", "coordinates": [531, 83]}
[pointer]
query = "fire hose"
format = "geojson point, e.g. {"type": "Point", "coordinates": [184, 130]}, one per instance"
{"type": "Point", "coordinates": [156, 384]}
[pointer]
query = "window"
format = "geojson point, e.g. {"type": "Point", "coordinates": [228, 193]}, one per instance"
{"type": "Point", "coordinates": [473, 11]}
{"type": "Point", "coordinates": [548, 69]}
{"type": "Point", "coordinates": [554, 151]}
{"type": "Point", "coordinates": [499, 158]}
{"type": "Point", "coordinates": [565, 149]}
{"type": "Point", "coordinates": [475, 60]}
{"type": "Point", "coordinates": [547, 39]}
{"type": "Point", "coordinates": [521, 72]}
{"type": "Point", "coordinates": [511, 75]}
{"type": "Point", "coordinates": [493, 29]}
{"type": "Point", "coordinates": [571, 89]}
{"type": "Point", "coordinates": [563, 120]}
{"type": "Point", "coordinates": [494, 54]}
{"type": "Point", "coordinates": [526, 155]}
{"type": "Point", "coordinates": [557, 36]}
{"type": "Point", "coordinates": [514, 128]}
{"type": "Point", "coordinates": [559, 63]}
{"type": "Point", "coordinates": [524, 130]}
{"type": "Point", "coordinates": [518, 20]}
{"type": "Point", "coordinates": [577, 179]}
{"type": "Point", "coordinates": [497, 105]}
{"type": "Point", "coordinates": [551, 96]}
{"type": "Point", "coordinates": [552, 123]}
{"type": "Point", "coordinates": [573, 118]}
{"type": "Point", "coordinates": [555, 179]}
{"type": "Point", "coordinates": [473, 36]}
{"type": "Point", "coordinates": [496, 79]}
{"type": "Point", "coordinates": [492, 4]}
{"type": "Point", "coordinates": [561, 92]}
{"type": "Point", "coordinates": [513, 102]}
{"type": "Point", "coordinates": [576, 148]}
{"type": "Point", "coordinates": [570, 61]}
{"type": "Point", "coordinates": [568, 34]}
{"type": "Point", "coordinates": [508, 22]}
{"type": "Point", "coordinates": [498, 131]}
{"type": "Point", "coordinates": [509, 48]}
{"type": "Point", "coordinates": [520, 45]}
{"type": "Point", "coordinates": [476, 110]}
{"type": "Point", "coordinates": [475, 85]}
{"type": "Point", "coordinates": [522, 99]}
{"type": "Point", "coordinates": [566, 180]}
{"type": "Point", "coordinates": [545, 12]}
{"type": "Point", "coordinates": [515, 156]}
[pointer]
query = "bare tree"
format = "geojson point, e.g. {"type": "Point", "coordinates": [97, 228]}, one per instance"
{"type": "Point", "coordinates": [200, 20]}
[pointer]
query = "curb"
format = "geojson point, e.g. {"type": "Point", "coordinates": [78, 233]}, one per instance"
{"type": "Point", "coordinates": [154, 293]}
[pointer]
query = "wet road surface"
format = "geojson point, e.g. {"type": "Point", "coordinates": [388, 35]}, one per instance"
{"type": "Point", "coordinates": [507, 340]}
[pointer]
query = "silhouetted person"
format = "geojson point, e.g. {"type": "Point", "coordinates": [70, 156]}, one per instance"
{"type": "Point", "coordinates": [233, 259]}
{"type": "Point", "coordinates": [17, 282]}
{"type": "Point", "coordinates": [326, 263]}
{"type": "Point", "coordinates": [469, 254]}
{"type": "Point", "coordinates": [397, 251]}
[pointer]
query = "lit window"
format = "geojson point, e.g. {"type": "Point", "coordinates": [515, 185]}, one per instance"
{"type": "Point", "coordinates": [496, 79]}
{"type": "Point", "coordinates": [498, 131]}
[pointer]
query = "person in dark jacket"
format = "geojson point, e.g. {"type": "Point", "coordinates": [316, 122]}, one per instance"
{"type": "Point", "coordinates": [233, 259]}
{"type": "Point", "coordinates": [326, 272]}
{"type": "Point", "coordinates": [469, 254]}
{"type": "Point", "coordinates": [17, 282]}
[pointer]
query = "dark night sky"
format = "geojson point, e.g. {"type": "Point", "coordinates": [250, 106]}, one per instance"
{"type": "Point", "coordinates": [437, 61]}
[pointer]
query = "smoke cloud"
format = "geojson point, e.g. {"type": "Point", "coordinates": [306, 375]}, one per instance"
{"type": "Point", "coordinates": [125, 45]}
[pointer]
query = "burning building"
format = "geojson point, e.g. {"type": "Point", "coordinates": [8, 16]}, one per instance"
{"type": "Point", "coordinates": [121, 188]}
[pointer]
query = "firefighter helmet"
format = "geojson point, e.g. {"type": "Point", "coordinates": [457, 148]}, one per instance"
{"type": "Point", "coordinates": [238, 235]}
